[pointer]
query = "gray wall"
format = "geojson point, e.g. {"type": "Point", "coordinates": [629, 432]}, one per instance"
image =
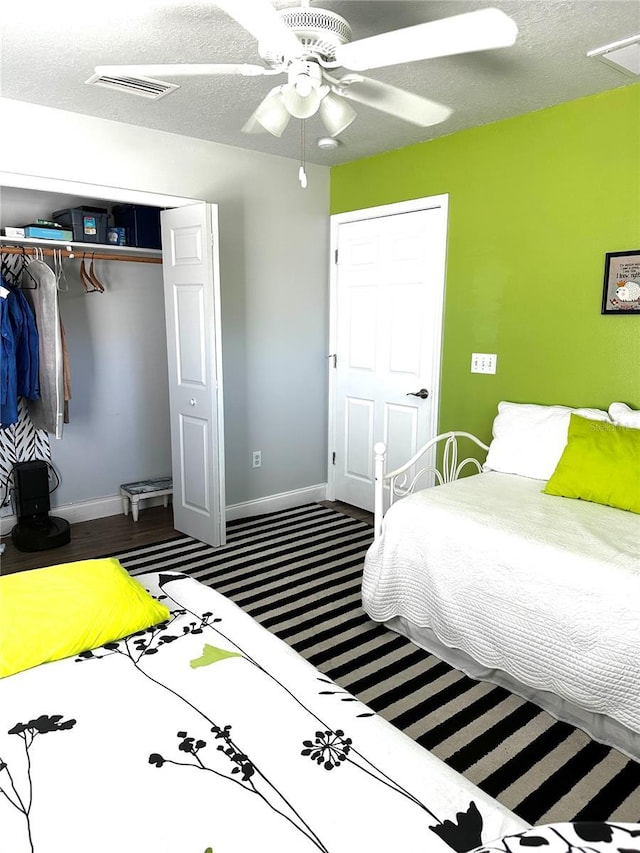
{"type": "Point", "coordinates": [274, 272]}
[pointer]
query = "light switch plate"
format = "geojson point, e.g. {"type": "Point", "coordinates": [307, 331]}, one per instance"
{"type": "Point", "coordinates": [483, 362]}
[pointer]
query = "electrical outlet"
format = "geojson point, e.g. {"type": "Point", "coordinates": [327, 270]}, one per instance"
{"type": "Point", "coordinates": [483, 362]}
{"type": "Point", "coordinates": [256, 459]}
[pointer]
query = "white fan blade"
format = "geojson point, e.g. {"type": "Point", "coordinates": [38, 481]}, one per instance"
{"type": "Point", "coordinates": [480, 30]}
{"type": "Point", "coordinates": [389, 99]}
{"type": "Point", "coordinates": [260, 19]}
{"type": "Point", "coordinates": [185, 70]}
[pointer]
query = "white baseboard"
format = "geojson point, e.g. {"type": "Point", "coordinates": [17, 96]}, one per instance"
{"type": "Point", "coordinates": [82, 511]}
{"type": "Point", "coordinates": [112, 505]}
{"type": "Point", "coordinates": [274, 503]}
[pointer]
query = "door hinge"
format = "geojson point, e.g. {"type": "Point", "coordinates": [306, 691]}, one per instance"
{"type": "Point", "coordinates": [334, 357]}
{"type": "Point", "coordinates": [335, 257]}
{"type": "Point", "coordinates": [333, 458]}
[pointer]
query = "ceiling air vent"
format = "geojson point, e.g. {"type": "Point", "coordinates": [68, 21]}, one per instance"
{"type": "Point", "coordinates": [143, 87]}
{"type": "Point", "coordinates": [622, 55]}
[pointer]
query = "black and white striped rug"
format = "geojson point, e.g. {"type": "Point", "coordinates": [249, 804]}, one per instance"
{"type": "Point", "coordinates": [298, 572]}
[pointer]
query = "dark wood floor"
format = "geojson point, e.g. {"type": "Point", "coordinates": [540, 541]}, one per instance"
{"type": "Point", "coordinates": [101, 536]}
{"type": "Point", "coordinates": [95, 538]}
{"type": "Point", "coordinates": [353, 511]}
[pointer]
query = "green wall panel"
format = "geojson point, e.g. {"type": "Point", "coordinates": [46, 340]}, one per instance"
{"type": "Point", "coordinates": [534, 204]}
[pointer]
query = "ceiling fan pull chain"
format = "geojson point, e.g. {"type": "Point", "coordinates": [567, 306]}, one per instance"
{"type": "Point", "coordinates": [302, 175]}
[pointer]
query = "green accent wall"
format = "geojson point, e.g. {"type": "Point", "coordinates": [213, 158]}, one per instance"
{"type": "Point", "coordinates": [535, 202]}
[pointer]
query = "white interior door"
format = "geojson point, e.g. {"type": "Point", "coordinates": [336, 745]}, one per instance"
{"type": "Point", "coordinates": [192, 309]}
{"type": "Point", "coordinates": [388, 294]}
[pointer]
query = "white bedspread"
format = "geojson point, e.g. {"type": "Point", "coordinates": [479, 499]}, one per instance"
{"type": "Point", "coordinates": [209, 733]}
{"type": "Point", "coordinates": [545, 588]}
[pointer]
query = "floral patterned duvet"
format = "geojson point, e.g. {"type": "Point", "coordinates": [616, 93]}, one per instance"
{"type": "Point", "coordinates": [208, 733]}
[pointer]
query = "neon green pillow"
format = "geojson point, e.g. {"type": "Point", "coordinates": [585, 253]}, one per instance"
{"type": "Point", "coordinates": [56, 612]}
{"type": "Point", "coordinates": [601, 463]}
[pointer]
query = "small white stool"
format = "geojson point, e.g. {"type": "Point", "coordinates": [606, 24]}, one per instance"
{"type": "Point", "coordinates": [142, 490]}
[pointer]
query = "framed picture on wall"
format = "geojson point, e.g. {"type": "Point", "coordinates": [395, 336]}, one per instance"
{"type": "Point", "coordinates": [621, 290]}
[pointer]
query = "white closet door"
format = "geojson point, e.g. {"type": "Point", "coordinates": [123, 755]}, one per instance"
{"type": "Point", "coordinates": [192, 310]}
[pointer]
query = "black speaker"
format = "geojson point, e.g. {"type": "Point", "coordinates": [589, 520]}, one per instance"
{"type": "Point", "coordinates": [31, 484]}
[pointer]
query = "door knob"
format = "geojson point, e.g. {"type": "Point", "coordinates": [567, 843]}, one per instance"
{"type": "Point", "coordinates": [192, 401]}
{"type": "Point", "coordinates": [422, 393]}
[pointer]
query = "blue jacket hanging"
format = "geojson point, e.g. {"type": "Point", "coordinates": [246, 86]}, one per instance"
{"type": "Point", "coordinates": [20, 359]}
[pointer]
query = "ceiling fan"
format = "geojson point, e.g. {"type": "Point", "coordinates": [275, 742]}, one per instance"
{"type": "Point", "coordinates": [307, 44]}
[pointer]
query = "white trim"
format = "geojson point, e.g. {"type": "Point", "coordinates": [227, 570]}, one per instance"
{"type": "Point", "coordinates": [42, 184]}
{"type": "Point", "coordinates": [218, 372]}
{"type": "Point", "coordinates": [82, 511]}
{"type": "Point", "coordinates": [274, 503]}
{"type": "Point", "coordinates": [112, 505]}
{"type": "Point", "coordinates": [409, 206]}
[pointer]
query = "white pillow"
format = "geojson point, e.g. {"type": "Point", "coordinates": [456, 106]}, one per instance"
{"type": "Point", "coordinates": [529, 439]}
{"type": "Point", "coordinates": [623, 415]}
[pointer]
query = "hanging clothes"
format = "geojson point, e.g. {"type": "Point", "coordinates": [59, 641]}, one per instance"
{"type": "Point", "coordinates": [19, 365]}
{"type": "Point", "coordinates": [27, 352]}
{"type": "Point", "coordinates": [7, 362]}
{"type": "Point", "coordinates": [66, 372]}
{"type": "Point", "coordinates": [47, 412]}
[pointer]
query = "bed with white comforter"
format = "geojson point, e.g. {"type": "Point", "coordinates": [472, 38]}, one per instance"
{"type": "Point", "coordinates": [208, 733]}
{"type": "Point", "coordinates": [535, 592]}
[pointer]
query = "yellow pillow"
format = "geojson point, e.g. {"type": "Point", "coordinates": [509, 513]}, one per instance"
{"type": "Point", "coordinates": [601, 463]}
{"type": "Point", "coordinates": [56, 612]}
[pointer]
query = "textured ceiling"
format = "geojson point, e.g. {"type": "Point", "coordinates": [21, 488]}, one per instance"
{"type": "Point", "coordinates": [48, 50]}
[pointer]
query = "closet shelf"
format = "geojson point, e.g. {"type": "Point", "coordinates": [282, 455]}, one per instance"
{"type": "Point", "coordinates": [98, 251]}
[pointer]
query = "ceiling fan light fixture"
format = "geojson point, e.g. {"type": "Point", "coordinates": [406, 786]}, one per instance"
{"type": "Point", "coordinates": [304, 90]}
{"type": "Point", "coordinates": [252, 125]}
{"type": "Point", "coordinates": [336, 114]}
{"type": "Point", "coordinates": [271, 115]}
{"type": "Point", "coordinates": [304, 85]}
{"type": "Point", "coordinates": [300, 106]}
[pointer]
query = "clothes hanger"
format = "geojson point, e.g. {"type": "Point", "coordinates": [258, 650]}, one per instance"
{"type": "Point", "coordinates": [6, 270]}
{"type": "Point", "coordinates": [24, 268]}
{"type": "Point", "coordinates": [93, 277]}
{"type": "Point", "coordinates": [58, 268]}
{"type": "Point", "coordinates": [12, 268]}
{"type": "Point", "coordinates": [83, 274]}
{"type": "Point", "coordinates": [91, 285]}
{"type": "Point", "coordinates": [84, 278]}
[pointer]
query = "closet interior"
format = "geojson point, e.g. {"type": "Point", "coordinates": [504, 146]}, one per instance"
{"type": "Point", "coordinates": [111, 305]}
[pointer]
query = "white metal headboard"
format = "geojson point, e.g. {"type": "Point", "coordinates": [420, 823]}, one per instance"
{"type": "Point", "coordinates": [401, 483]}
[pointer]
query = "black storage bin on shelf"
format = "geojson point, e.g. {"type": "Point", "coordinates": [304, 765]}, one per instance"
{"type": "Point", "coordinates": [142, 224]}
{"type": "Point", "coordinates": [89, 224]}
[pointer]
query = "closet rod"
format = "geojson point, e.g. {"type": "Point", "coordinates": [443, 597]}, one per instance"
{"type": "Point", "coordinates": [78, 254]}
